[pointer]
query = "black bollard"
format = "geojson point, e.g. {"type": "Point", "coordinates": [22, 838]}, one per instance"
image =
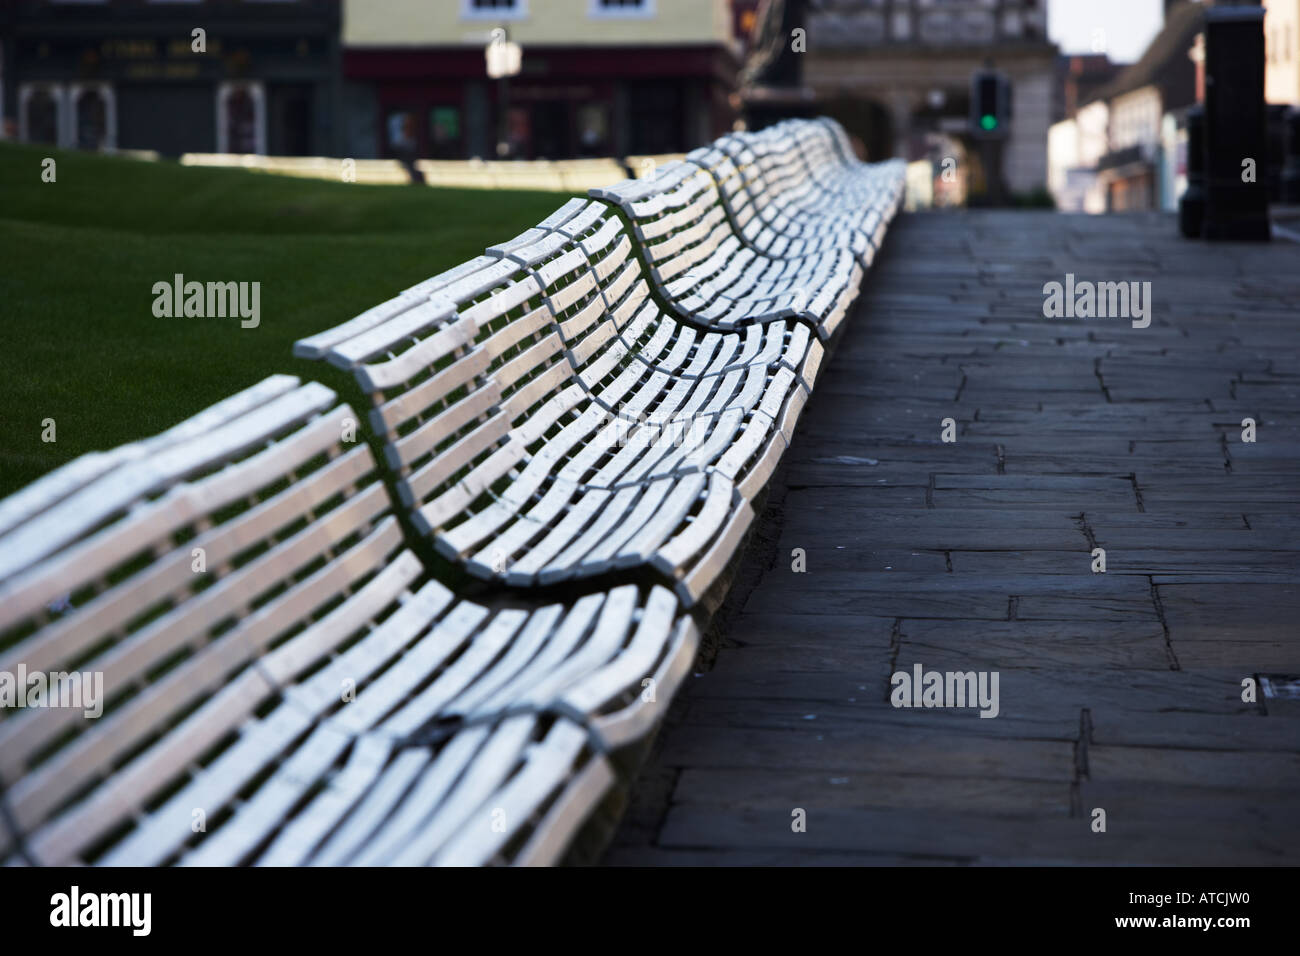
{"type": "Point", "coordinates": [1236, 154]}
{"type": "Point", "coordinates": [1191, 208]}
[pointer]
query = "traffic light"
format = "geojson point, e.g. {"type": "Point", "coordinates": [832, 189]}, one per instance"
{"type": "Point", "coordinates": [990, 103]}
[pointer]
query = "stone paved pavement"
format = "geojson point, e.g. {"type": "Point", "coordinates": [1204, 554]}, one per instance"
{"type": "Point", "coordinates": [1119, 690]}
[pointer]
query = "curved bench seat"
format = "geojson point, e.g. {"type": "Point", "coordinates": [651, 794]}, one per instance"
{"type": "Point", "coordinates": [283, 683]}
{"type": "Point", "coordinates": [787, 187]}
{"type": "Point", "coordinates": [707, 272]}
{"type": "Point", "coordinates": [546, 421]}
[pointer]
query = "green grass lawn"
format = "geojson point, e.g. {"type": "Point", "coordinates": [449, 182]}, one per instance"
{"type": "Point", "coordinates": [81, 344]}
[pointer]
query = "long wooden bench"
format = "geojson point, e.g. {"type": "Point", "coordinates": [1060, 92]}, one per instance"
{"type": "Point", "coordinates": [808, 171]}
{"type": "Point", "coordinates": [282, 681]}
{"type": "Point", "coordinates": [547, 421]}
{"type": "Point", "coordinates": [708, 273]}
{"type": "Point", "coordinates": [788, 190]}
{"type": "Point", "coordinates": [286, 683]}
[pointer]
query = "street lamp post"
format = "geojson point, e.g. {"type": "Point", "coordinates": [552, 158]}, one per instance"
{"type": "Point", "coordinates": [504, 60]}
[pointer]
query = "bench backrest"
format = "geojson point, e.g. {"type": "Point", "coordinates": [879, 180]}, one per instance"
{"type": "Point", "coordinates": [170, 575]}
{"type": "Point", "coordinates": [633, 395]}
{"type": "Point", "coordinates": [678, 219]}
{"type": "Point", "coordinates": [227, 588]}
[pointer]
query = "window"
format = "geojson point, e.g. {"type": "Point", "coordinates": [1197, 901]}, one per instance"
{"type": "Point", "coordinates": [655, 114]}
{"type": "Point", "coordinates": [621, 8]}
{"type": "Point", "coordinates": [593, 129]}
{"type": "Point", "coordinates": [519, 133]}
{"type": "Point", "coordinates": [241, 118]}
{"type": "Point", "coordinates": [241, 123]}
{"type": "Point", "coordinates": [94, 116]}
{"type": "Point", "coordinates": [444, 132]}
{"type": "Point", "coordinates": [403, 138]}
{"type": "Point", "coordinates": [444, 124]}
{"type": "Point", "coordinates": [493, 9]}
{"type": "Point", "coordinates": [40, 113]}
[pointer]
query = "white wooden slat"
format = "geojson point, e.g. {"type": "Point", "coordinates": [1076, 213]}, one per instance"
{"type": "Point", "coordinates": [482, 649]}
{"type": "Point", "coordinates": [130, 785]}
{"type": "Point", "coordinates": [621, 727]}
{"type": "Point", "coordinates": [467, 804]}
{"type": "Point", "coordinates": [426, 794]}
{"type": "Point", "coordinates": [494, 433]}
{"type": "Point", "coordinates": [551, 837]}
{"type": "Point", "coordinates": [26, 503]}
{"type": "Point", "coordinates": [319, 345]}
{"type": "Point", "coordinates": [623, 516]}
{"type": "Point", "coordinates": [526, 238]}
{"type": "Point", "coordinates": [380, 376]}
{"type": "Point", "coordinates": [122, 487]}
{"type": "Point", "coordinates": [641, 547]}
{"type": "Point", "coordinates": [704, 572]}
{"type": "Point", "coordinates": [128, 660]}
{"type": "Point", "coordinates": [547, 765]}
{"type": "Point", "coordinates": [532, 565]}
{"type": "Point", "coordinates": [637, 661]}
{"type": "Point", "coordinates": [255, 820]}
{"type": "Point", "coordinates": [529, 523]}
{"type": "Point", "coordinates": [386, 693]}
{"type": "Point", "coordinates": [720, 436]}
{"type": "Point", "coordinates": [555, 650]}
{"type": "Point", "coordinates": [615, 621]}
{"type": "Point", "coordinates": [749, 454]}
{"type": "Point", "coordinates": [294, 844]}
{"type": "Point", "coordinates": [92, 558]}
{"type": "Point", "coordinates": [431, 791]}
{"type": "Point", "coordinates": [377, 797]}
{"type": "Point", "coordinates": [541, 625]}
{"type": "Point", "coordinates": [477, 406]}
{"type": "Point", "coordinates": [383, 337]}
{"type": "Point", "coordinates": [679, 552]}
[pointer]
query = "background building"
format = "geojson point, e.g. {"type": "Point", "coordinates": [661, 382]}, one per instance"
{"type": "Point", "coordinates": [1133, 171]}
{"type": "Point", "coordinates": [897, 74]}
{"type": "Point", "coordinates": [598, 77]}
{"type": "Point", "coordinates": [1282, 51]}
{"type": "Point", "coordinates": [1078, 78]}
{"type": "Point", "coordinates": [126, 74]}
{"type": "Point", "coordinates": [1125, 147]}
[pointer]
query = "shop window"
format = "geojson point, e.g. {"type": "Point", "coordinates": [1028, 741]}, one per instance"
{"type": "Point", "coordinates": [239, 122]}
{"type": "Point", "coordinates": [444, 132]}
{"type": "Point", "coordinates": [519, 133]}
{"type": "Point", "coordinates": [656, 117]}
{"type": "Point", "coordinates": [39, 114]}
{"type": "Point", "coordinates": [403, 139]}
{"type": "Point", "coordinates": [241, 118]}
{"type": "Point", "coordinates": [593, 129]}
{"type": "Point", "coordinates": [92, 117]}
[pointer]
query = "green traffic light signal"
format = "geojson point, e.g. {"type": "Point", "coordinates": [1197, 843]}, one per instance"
{"type": "Point", "coordinates": [989, 122]}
